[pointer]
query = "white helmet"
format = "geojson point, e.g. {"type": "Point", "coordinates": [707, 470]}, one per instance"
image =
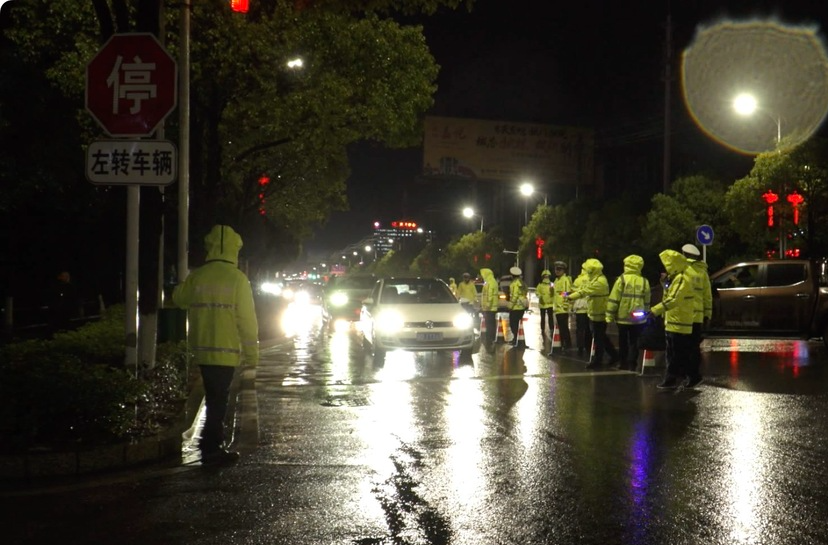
{"type": "Point", "coordinates": [515, 271]}
{"type": "Point", "coordinates": [690, 250]}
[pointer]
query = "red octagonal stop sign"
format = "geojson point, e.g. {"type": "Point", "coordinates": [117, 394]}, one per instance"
{"type": "Point", "coordinates": [131, 85]}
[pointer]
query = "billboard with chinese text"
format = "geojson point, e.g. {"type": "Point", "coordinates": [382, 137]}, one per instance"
{"type": "Point", "coordinates": [504, 151]}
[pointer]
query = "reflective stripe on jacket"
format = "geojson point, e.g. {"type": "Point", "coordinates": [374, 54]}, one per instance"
{"type": "Point", "coordinates": [222, 324]}
{"type": "Point", "coordinates": [678, 302]}
{"type": "Point", "coordinates": [630, 292]}
{"type": "Point", "coordinates": [595, 289]}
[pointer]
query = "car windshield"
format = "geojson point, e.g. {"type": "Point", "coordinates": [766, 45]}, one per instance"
{"type": "Point", "coordinates": [416, 291]}
{"type": "Point", "coordinates": [354, 283]}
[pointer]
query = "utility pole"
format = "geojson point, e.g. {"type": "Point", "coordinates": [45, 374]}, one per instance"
{"type": "Point", "coordinates": [668, 77]}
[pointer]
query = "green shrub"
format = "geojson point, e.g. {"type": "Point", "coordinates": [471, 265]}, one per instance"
{"type": "Point", "coordinates": [73, 390]}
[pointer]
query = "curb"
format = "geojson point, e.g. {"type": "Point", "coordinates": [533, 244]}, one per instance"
{"type": "Point", "coordinates": [242, 416]}
{"type": "Point", "coordinates": [86, 460]}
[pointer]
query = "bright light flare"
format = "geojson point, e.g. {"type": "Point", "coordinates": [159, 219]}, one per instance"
{"type": "Point", "coordinates": [745, 104]}
{"type": "Point", "coordinates": [339, 299]}
{"type": "Point", "coordinates": [271, 288]}
{"type": "Point", "coordinates": [463, 321]}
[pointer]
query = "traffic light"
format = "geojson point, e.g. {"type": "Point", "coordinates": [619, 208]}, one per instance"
{"type": "Point", "coordinates": [239, 6]}
{"type": "Point", "coordinates": [539, 247]}
{"type": "Point", "coordinates": [263, 181]}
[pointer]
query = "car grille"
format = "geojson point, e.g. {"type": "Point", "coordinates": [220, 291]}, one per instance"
{"type": "Point", "coordinates": [420, 325]}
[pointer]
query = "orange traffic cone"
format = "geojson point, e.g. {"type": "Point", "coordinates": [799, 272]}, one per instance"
{"type": "Point", "coordinates": [520, 342]}
{"type": "Point", "coordinates": [502, 327]}
{"type": "Point", "coordinates": [556, 338]}
{"type": "Point", "coordinates": [648, 360]}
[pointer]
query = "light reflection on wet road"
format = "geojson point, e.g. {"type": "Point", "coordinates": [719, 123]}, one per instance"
{"type": "Point", "coordinates": [509, 447]}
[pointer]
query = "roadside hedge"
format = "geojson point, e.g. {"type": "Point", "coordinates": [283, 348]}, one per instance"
{"type": "Point", "coordinates": [72, 390]}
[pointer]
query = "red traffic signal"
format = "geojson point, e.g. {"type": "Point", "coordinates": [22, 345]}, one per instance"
{"type": "Point", "coordinates": [239, 6]}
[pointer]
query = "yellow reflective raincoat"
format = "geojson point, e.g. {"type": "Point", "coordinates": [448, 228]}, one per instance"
{"type": "Point", "coordinates": [219, 301]}
{"type": "Point", "coordinates": [678, 303]}
{"type": "Point", "coordinates": [595, 289]}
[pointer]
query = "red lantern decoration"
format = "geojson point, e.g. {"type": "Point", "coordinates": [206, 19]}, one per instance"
{"type": "Point", "coordinates": [795, 199]}
{"type": "Point", "coordinates": [770, 197]}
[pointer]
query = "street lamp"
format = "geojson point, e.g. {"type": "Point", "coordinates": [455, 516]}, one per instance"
{"type": "Point", "coordinates": [745, 104]}
{"type": "Point", "coordinates": [469, 213]}
{"type": "Point", "coordinates": [526, 190]}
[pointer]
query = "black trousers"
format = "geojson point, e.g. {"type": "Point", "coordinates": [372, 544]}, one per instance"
{"type": "Point", "coordinates": [490, 317]}
{"type": "Point", "coordinates": [546, 317]}
{"type": "Point", "coordinates": [583, 334]}
{"type": "Point", "coordinates": [678, 354]}
{"type": "Point", "coordinates": [628, 344]}
{"type": "Point", "coordinates": [563, 328]}
{"type": "Point", "coordinates": [694, 361]}
{"type": "Point", "coordinates": [515, 316]}
{"type": "Point", "coordinates": [217, 380]}
{"type": "Point", "coordinates": [602, 343]}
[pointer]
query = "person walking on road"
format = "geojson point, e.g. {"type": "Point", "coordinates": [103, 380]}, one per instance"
{"type": "Point", "coordinates": [628, 303]}
{"type": "Point", "coordinates": [583, 335]}
{"type": "Point", "coordinates": [677, 307]}
{"type": "Point", "coordinates": [545, 302]}
{"type": "Point", "coordinates": [562, 287]}
{"type": "Point", "coordinates": [489, 299]}
{"type": "Point", "coordinates": [596, 291]}
{"type": "Point", "coordinates": [702, 309]}
{"type": "Point", "coordinates": [518, 303]}
{"type": "Point", "coordinates": [223, 330]}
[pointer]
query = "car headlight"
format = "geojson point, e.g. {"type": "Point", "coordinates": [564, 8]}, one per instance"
{"type": "Point", "coordinates": [302, 297]}
{"type": "Point", "coordinates": [339, 299]}
{"type": "Point", "coordinates": [389, 322]}
{"type": "Point", "coordinates": [271, 288]}
{"type": "Point", "coordinates": [463, 321]}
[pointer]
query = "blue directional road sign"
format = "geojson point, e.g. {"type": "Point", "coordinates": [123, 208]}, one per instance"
{"type": "Point", "coordinates": [704, 234]}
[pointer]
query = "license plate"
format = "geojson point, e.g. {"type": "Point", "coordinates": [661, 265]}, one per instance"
{"type": "Point", "coordinates": [429, 336]}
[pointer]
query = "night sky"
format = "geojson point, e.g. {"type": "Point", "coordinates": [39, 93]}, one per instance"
{"type": "Point", "coordinates": [588, 63]}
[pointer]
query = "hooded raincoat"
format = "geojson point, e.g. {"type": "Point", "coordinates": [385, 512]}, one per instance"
{"type": "Point", "coordinates": [595, 288]}
{"type": "Point", "coordinates": [219, 301]}
{"type": "Point", "coordinates": [544, 290]}
{"type": "Point", "coordinates": [630, 292]}
{"type": "Point", "coordinates": [678, 303]}
{"type": "Point", "coordinates": [491, 291]}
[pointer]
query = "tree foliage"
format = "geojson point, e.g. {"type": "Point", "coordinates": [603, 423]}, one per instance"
{"type": "Point", "coordinates": [470, 253]}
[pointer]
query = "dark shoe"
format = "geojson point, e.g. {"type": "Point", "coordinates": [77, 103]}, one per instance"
{"type": "Point", "coordinates": [693, 382]}
{"type": "Point", "coordinates": [592, 366]}
{"type": "Point", "coordinates": [219, 456]}
{"type": "Point", "coordinates": [669, 383]}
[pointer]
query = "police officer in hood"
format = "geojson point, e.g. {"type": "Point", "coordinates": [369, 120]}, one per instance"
{"type": "Point", "coordinates": [223, 331]}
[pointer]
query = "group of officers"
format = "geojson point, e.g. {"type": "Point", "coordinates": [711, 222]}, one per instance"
{"type": "Point", "coordinates": [684, 308]}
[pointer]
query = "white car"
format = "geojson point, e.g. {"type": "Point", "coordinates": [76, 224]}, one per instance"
{"type": "Point", "coordinates": [417, 314]}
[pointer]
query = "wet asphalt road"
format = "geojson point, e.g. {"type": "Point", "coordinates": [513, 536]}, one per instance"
{"type": "Point", "coordinates": [506, 448]}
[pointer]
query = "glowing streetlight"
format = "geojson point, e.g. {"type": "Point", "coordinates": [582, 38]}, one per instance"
{"type": "Point", "coordinates": [295, 63]}
{"type": "Point", "coordinates": [469, 213]}
{"type": "Point", "coordinates": [745, 104]}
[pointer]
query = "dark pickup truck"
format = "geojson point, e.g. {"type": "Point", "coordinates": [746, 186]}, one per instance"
{"type": "Point", "coordinates": [778, 298]}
